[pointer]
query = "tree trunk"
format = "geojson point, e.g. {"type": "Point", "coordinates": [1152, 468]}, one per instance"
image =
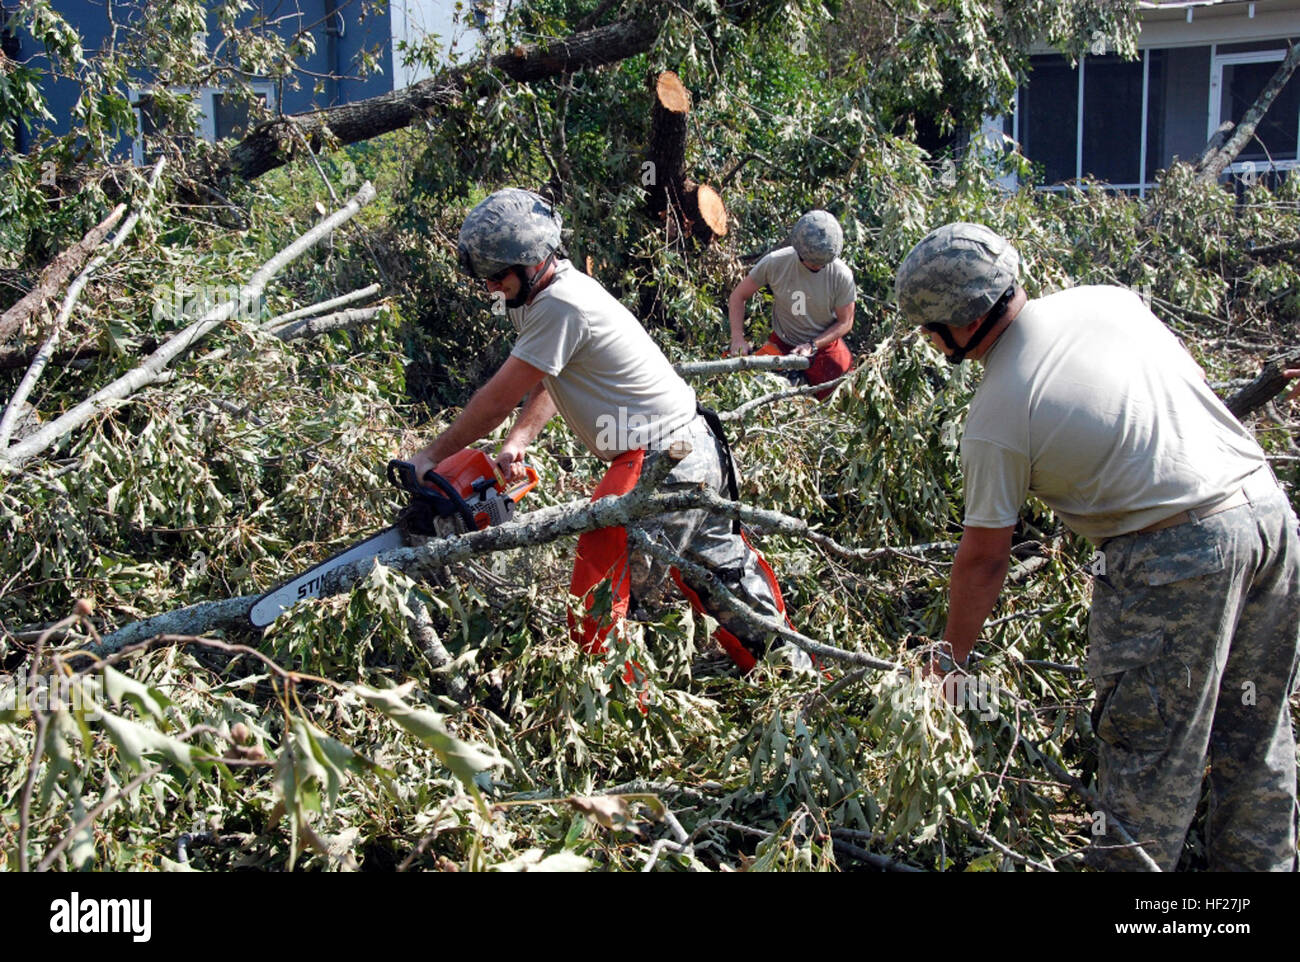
{"type": "Point", "coordinates": [672, 196]}
{"type": "Point", "coordinates": [667, 172]}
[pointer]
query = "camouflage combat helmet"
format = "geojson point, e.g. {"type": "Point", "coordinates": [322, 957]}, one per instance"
{"type": "Point", "coordinates": [817, 239]}
{"type": "Point", "coordinates": [958, 273]}
{"type": "Point", "coordinates": [511, 228]}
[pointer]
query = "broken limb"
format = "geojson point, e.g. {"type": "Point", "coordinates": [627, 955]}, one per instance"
{"type": "Point", "coordinates": [316, 326]}
{"type": "Point", "coordinates": [322, 306]}
{"type": "Point", "coordinates": [750, 362]}
{"type": "Point", "coordinates": [737, 413]}
{"type": "Point", "coordinates": [56, 272]}
{"type": "Point", "coordinates": [154, 366]}
{"type": "Point", "coordinates": [723, 596]}
{"type": "Point", "coordinates": [46, 351]}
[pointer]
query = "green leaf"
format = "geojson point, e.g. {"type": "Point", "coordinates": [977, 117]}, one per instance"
{"type": "Point", "coordinates": [464, 759]}
{"type": "Point", "coordinates": [134, 741]}
{"type": "Point", "coordinates": [118, 687]}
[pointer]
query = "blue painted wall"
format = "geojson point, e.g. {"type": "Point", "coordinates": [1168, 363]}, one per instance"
{"type": "Point", "coordinates": [339, 40]}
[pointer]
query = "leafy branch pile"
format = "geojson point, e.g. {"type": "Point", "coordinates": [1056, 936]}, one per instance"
{"type": "Point", "coordinates": [450, 723]}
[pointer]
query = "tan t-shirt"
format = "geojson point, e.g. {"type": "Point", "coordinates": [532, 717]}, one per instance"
{"type": "Point", "coordinates": [803, 301]}
{"type": "Point", "coordinates": [1089, 403]}
{"type": "Point", "coordinates": [606, 375]}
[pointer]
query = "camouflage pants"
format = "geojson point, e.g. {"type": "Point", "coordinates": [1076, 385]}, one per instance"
{"type": "Point", "coordinates": [705, 538]}
{"type": "Point", "coordinates": [1194, 644]}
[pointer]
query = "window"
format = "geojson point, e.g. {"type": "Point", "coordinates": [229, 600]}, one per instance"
{"type": "Point", "coordinates": [222, 113]}
{"type": "Point", "coordinates": [1123, 121]}
{"type": "Point", "coordinates": [1112, 120]}
{"type": "Point", "coordinates": [1049, 118]}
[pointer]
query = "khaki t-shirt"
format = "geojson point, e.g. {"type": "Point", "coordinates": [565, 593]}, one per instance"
{"type": "Point", "coordinates": [803, 301]}
{"type": "Point", "coordinates": [1091, 404]}
{"type": "Point", "coordinates": [606, 375]}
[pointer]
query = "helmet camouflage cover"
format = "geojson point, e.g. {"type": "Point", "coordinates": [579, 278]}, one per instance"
{"type": "Point", "coordinates": [510, 228]}
{"type": "Point", "coordinates": [817, 239]}
{"type": "Point", "coordinates": [955, 275]}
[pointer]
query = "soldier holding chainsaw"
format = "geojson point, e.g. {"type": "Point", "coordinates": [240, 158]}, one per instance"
{"type": "Point", "coordinates": [581, 353]}
{"type": "Point", "coordinates": [1089, 403]}
{"type": "Point", "coordinates": [813, 292]}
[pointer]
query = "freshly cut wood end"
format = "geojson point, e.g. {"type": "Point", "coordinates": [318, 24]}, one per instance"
{"type": "Point", "coordinates": [712, 211]}
{"type": "Point", "coordinates": [678, 450]}
{"type": "Point", "coordinates": [672, 93]}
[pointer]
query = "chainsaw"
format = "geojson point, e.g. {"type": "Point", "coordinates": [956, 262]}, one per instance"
{"type": "Point", "coordinates": [466, 492]}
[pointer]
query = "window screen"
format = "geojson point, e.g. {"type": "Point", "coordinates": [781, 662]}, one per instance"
{"type": "Point", "coordinates": [1112, 119]}
{"type": "Point", "coordinates": [1049, 113]}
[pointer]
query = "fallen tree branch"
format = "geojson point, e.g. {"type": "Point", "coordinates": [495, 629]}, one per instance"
{"type": "Point", "coordinates": [16, 357]}
{"type": "Point", "coordinates": [57, 272]}
{"type": "Point", "coordinates": [322, 306]}
{"type": "Point", "coordinates": [535, 528]}
{"type": "Point", "coordinates": [154, 366]}
{"type": "Point", "coordinates": [719, 593]}
{"type": "Point", "coordinates": [46, 350]}
{"type": "Point", "coordinates": [1270, 382]}
{"type": "Point", "coordinates": [988, 839]}
{"type": "Point", "coordinates": [750, 362]}
{"type": "Point", "coordinates": [227, 614]}
{"type": "Point", "coordinates": [275, 142]}
{"type": "Point", "coordinates": [737, 413]}
{"type": "Point", "coordinates": [315, 326]}
{"type": "Point", "coordinates": [1213, 162]}
{"type": "Point", "coordinates": [882, 862]}
{"type": "Point", "coordinates": [1268, 250]}
{"type": "Point", "coordinates": [1090, 797]}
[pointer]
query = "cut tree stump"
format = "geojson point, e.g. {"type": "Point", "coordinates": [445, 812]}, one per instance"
{"type": "Point", "coordinates": [669, 192]}
{"type": "Point", "coordinates": [667, 144]}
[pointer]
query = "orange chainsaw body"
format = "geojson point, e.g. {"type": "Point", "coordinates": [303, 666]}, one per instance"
{"type": "Point", "coordinates": [484, 488]}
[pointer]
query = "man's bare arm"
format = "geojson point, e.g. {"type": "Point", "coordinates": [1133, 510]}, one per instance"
{"type": "Point", "coordinates": [537, 410]}
{"type": "Point", "coordinates": [977, 575]}
{"type": "Point", "coordinates": [489, 406]}
{"type": "Point", "coordinates": [736, 314]}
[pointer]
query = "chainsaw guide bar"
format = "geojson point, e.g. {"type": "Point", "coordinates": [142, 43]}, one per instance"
{"type": "Point", "coordinates": [465, 493]}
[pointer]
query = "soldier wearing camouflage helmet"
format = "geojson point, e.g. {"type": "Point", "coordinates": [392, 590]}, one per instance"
{"type": "Point", "coordinates": [1090, 404]}
{"type": "Point", "coordinates": [580, 353]}
{"type": "Point", "coordinates": [813, 294]}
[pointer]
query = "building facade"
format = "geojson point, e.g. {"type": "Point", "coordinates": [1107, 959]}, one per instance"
{"type": "Point", "coordinates": [344, 36]}
{"type": "Point", "coordinates": [1121, 121]}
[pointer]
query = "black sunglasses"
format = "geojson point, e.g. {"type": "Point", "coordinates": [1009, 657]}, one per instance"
{"type": "Point", "coordinates": [467, 265]}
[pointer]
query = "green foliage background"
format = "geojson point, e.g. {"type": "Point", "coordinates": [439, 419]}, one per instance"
{"type": "Point", "coordinates": [332, 742]}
